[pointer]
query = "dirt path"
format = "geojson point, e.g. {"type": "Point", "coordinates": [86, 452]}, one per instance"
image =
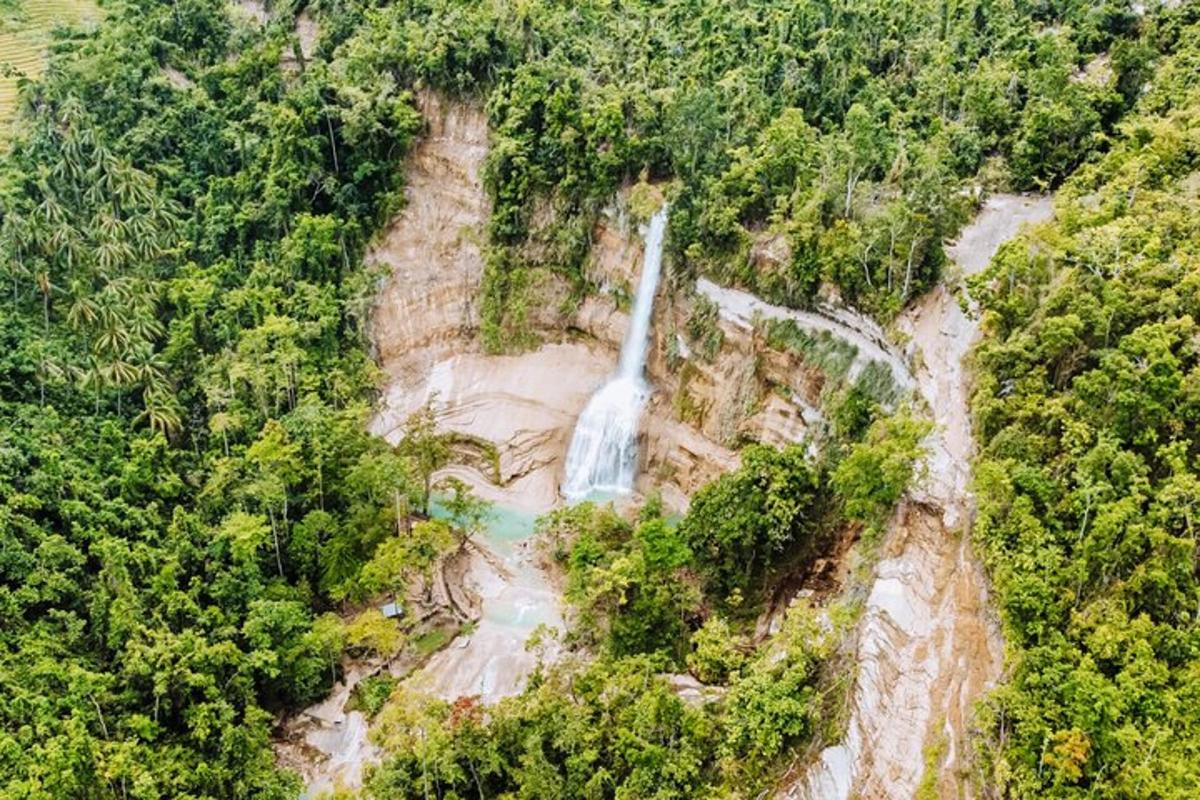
{"type": "Point", "coordinates": [742, 308]}
{"type": "Point", "coordinates": [926, 645]}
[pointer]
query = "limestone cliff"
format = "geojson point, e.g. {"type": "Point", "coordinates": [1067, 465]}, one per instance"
{"type": "Point", "coordinates": [426, 316]}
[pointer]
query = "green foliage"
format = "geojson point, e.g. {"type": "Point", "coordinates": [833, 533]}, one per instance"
{"type": "Point", "coordinates": [398, 560]}
{"type": "Point", "coordinates": [716, 652]}
{"type": "Point", "coordinates": [374, 634]}
{"type": "Point", "coordinates": [851, 411]}
{"type": "Point", "coordinates": [841, 130]}
{"type": "Point", "coordinates": [876, 471]}
{"type": "Point", "coordinates": [739, 523]}
{"type": "Point", "coordinates": [1087, 409]}
{"type": "Point", "coordinates": [703, 327]}
{"type": "Point", "coordinates": [468, 513]}
{"type": "Point", "coordinates": [832, 355]}
{"type": "Point", "coordinates": [585, 525]}
{"type": "Point", "coordinates": [371, 694]}
{"type": "Point", "coordinates": [185, 477]}
{"type": "Point", "coordinates": [611, 729]}
{"type": "Point", "coordinates": [427, 450]}
{"type": "Point", "coordinates": [628, 586]}
{"type": "Point", "coordinates": [773, 701]}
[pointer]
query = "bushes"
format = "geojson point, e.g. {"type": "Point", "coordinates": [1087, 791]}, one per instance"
{"type": "Point", "coordinates": [737, 524]}
{"type": "Point", "coordinates": [614, 728]}
{"type": "Point", "coordinates": [876, 471]}
{"type": "Point", "coordinates": [715, 652]}
{"type": "Point", "coordinates": [628, 587]}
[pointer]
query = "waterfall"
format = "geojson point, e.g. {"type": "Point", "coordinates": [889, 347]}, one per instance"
{"type": "Point", "coordinates": [603, 452]}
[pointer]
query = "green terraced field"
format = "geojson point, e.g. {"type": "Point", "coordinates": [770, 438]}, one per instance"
{"type": "Point", "coordinates": [25, 27]}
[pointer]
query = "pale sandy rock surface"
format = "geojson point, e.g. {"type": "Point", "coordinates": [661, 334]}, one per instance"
{"type": "Point", "coordinates": [431, 252]}
{"type": "Point", "coordinates": [307, 32]}
{"type": "Point", "coordinates": [927, 645]}
{"type": "Point", "coordinates": [742, 309]}
{"type": "Point", "coordinates": [178, 79]}
{"type": "Point", "coordinates": [327, 745]}
{"type": "Point", "coordinates": [493, 661]}
{"type": "Point", "coordinates": [525, 404]}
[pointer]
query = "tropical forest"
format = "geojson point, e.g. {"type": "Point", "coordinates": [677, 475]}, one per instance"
{"type": "Point", "coordinates": [600, 399]}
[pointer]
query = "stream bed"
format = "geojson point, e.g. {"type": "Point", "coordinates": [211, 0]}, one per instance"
{"type": "Point", "coordinates": [492, 661]}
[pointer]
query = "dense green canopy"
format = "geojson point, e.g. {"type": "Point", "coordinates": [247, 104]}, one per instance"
{"type": "Point", "coordinates": [844, 126]}
{"type": "Point", "coordinates": [186, 486]}
{"type": "Point", "coordinates": [184, 475]}
{"type": "Point", "coordinates": [1088, 407]}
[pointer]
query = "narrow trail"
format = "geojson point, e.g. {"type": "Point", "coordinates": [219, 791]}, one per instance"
{"type": "Point", "coordinates": [927, 646]}
{"type": "Point", "coordinates": [742, 309]}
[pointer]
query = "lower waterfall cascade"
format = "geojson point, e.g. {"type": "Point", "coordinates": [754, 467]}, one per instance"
{"type": "Point", "coordinates": [603, 453]}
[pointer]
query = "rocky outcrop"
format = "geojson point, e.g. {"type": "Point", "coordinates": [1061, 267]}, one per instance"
{"type": "Point", "coordinates": [493, 661]}
{"type": "Point", "coordinates": [326, 744]}
{"type": "Point", "coordinates": [525, 405]}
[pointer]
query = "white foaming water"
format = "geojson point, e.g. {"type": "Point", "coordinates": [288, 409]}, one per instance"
{"type": "Point", "coordinates": [603, 452]}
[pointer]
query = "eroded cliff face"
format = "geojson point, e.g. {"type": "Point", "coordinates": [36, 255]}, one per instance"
{"type": "Point", "coordinates": [703, 408]}
{"type": "Point", "coordinates": [431, 253]}
{"type": "Point", "coordinates": [513, 415]}
{"type": "Point", "coordinates": [526, 405]}
{"type": "Point", "coordinates": [928, 644]}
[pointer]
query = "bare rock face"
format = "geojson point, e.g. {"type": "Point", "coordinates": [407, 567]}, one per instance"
{"type": "Point", "coordinates": [702, 409]}
{"type": "Point", "coordinates": [616, 256]}
{"type": "Point", "coordinates": [431, 253]}
{"type": "Point", "coordinates": [599, 318]}
{"type": "Point", "coordinates": [926, 648]}
{"type": "Point", "coordinates": [526, 405]}
{"type": "Point", "coordinates": [326, 744]}
{"type": "Point", "coordinates": [307, 32]}
{"type": "Point", "coordinates": [928, 644]}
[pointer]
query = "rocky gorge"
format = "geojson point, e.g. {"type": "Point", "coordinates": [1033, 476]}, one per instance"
{"type": "Point", "coordinates": [927, 644]}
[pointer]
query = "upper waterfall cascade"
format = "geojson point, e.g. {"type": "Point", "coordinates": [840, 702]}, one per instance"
{"type": "Point", "coordinates": [603, 452]}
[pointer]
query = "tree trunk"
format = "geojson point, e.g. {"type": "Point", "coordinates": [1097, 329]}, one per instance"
{"type": "Point", "coordinates": [912, 249]}
{"type": "Point", "coordinates": [332, 145]}
{"type": "Point", "coordinates": [851, 181]}
{"type": "Point", "coordinates": [275, 537]}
